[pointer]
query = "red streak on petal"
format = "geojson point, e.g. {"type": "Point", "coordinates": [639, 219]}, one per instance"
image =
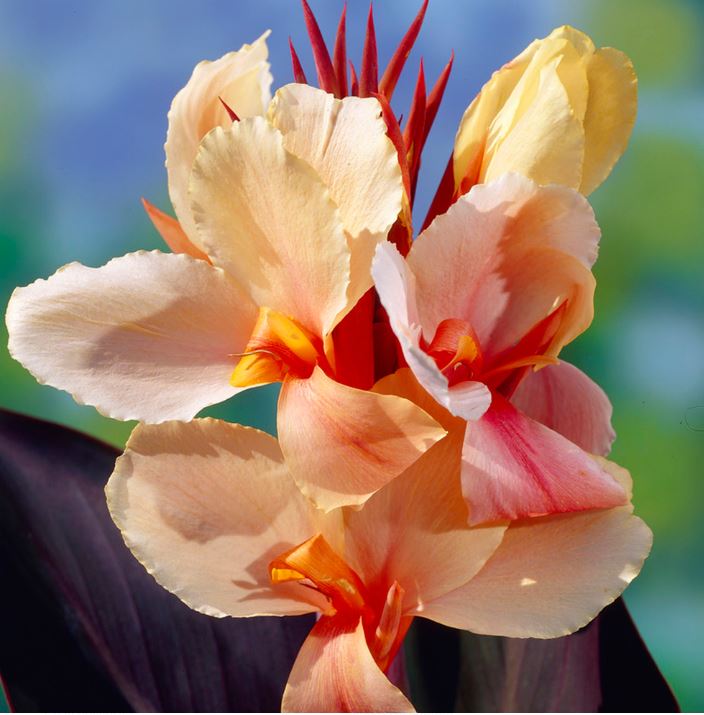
{"type": "Point", "coordinates": [323, 63]}
{"type": "Point", "coordinates": [298, 74]}
{"type": "Point", "coordinates": [393, 70]}
{"type": "Point", "coordinates": [230, 111]}
{"type": "Point", "coordinates": [339, 55]}
{"type": "Point", "coordinates": [369, 75]}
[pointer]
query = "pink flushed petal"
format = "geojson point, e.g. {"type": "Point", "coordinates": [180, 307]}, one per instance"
{"type": "Point", "coordinates": [564, 399]}
{"type": "Point", "coordinates": [515, 467]}
{"type": "Point", "coordinates": [395, 284]}
{"type": "Point", "coordinates": [343, 444]}
{"type": "Point", "coordinates": [335, 672]}
{"type": "Point", "coordinates": [503, 257]}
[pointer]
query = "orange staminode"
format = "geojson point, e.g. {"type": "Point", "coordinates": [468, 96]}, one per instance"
{"type": "Point", "coordinates": [279, 346]}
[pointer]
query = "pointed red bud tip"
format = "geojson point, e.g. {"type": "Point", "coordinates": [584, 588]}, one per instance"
{"type": "Point", "coordinates": [230, 111]}
{"type": "Point", "coordinates": [339, 55]}
{"type": "Point", "coordinates": [298, 74]}
{"type": "Point", "coordinates": [398, 60]}
{"type": "Point", "coordinates": [369, 75]}
{"type": "Point", "coordinates": [321, 56]}
{"type": "Point", "coordinates": [354, 82]}
{"type": "Point", "coordinates": [393, 131]}
{"type": "Point", "coordinates": [436, 95]}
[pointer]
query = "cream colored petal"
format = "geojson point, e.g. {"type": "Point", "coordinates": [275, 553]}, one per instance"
{"type": "Point", "coordinates": [149, 336]}
{"type": "Point", "coordinates": [395, 284]}
{"type": "Point", "coordinates": [415, 531]}
{"type": "Point", "coordinates": [503, 257]}
{"type": "Point", "coordinates": [564, 399]}
{"type": "Point", "coordinates": [205, 506]}
{"type": "Point", "coordinates": [546, 143]}
{"type": "Point", "coordinates": [170, 230]}
{"type": "Point", "coordinates": [242, 79]}
{"type": "Point", "coordinates": [335, 672]}
{"type": "Point", "coordinates": [611, 114]}
{"type": "Point", "coordinates": [550, 576]}
{"type": "Point", "coordinates": [578, 39]}
{"type": "Point", "coordinates": [343, 444]}
{"type": "Point", "coordinates": [266, 217]}
{"type": "Point", "coordinates": [345, 141]}
{"type": "Point", "coordinates": [470, 141]}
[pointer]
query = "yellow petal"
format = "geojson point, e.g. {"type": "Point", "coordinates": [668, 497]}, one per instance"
{"type": "Point", "coordinates": [343, 444]}
{"type": "Point", "coordinates": [550, 576]}
{"type": "Point", "coordinates": [345, 141]}
{"type": "Point", "coordinates": [266, 217]}
{"type": "Point", "coordinates": [611, 114]}
{"type": "Point", "coordinates": [546, 143]}
{"type": "Point", "coordinates": [205, 506]}
{"type": "Point", "coordinates": [242, 79]}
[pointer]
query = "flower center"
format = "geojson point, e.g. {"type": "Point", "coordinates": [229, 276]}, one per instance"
{"type": "Point", "coordinates": [457, 351]}
{"type": "Point", "coordinates": [315, 564]}
{"type": "Point", "coordinates": [278, 346]}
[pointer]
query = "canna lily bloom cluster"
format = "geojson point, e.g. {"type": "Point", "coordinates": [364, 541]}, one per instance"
{"type": "Point", "coordinates": [435, 458]}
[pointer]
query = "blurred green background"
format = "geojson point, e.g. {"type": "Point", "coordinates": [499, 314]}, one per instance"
{"type": "Point", "coordinates": [84, 90]}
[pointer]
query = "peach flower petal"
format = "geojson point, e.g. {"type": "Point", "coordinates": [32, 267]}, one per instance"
{"type": "Point", "coordinates": [514, 467]}
{"type": "Point", "coordinates": [205, 506]}
{"type": "Point", "coordinates": [149, 336]}
{"type": "Point", "coordinates": [335, 672]}
{"type": "Point", "coordinates": [396, 286]}
{"type": "Point", "coordinates": [414, 531]}
{"type": "Point", "coordinates": [242, 79]}
{"type": "Point", "coordinates": [564, 399]}
{"type": "Point", "coordinates": [504, 257]}
{"type": "Point", "coordinates": [366, 184]}
{"type": "Point", "coordinates": [550, 576]}
{"type": "Point", "coordinates": [266, 217]}
{"type": "Point", "coordinates": [343, 444]}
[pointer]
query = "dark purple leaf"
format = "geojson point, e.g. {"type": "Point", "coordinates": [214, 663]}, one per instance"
{"type": "Point", "coordinates": [604, 667]}
{"type": "Point", "coordinates": [84, 627]}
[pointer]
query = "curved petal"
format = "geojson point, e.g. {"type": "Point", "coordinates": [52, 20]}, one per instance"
{"type": "Point", "coordinates": [547, 142]}
{"type": "Point", "coordinates": [148, 336]}
{"type": "Point", "coordinates": [514, 467]}
{"type": "Point", "coordinates": [266, 217]}
{"type": "Point", "coordinates": [335, 672]}
{"type": "Point", "coordinates": [415, 531]}
{"type": "Point", "coordinates": [470, 141]}
{"type": "Point", "coordinates": [564, 399]}
{"type": "Point", "coordinates": [610, 116]}
{"type": "Point", "coordinates": [242, 79]}
{"type": "Point", "coordinates": [343, 444]}
{"type": "Point", "coordinates": [345, 141]}
{"type": "Point", "coordinates": [205, 506]}
{"type": "Point", "coordinates": [503, 258]}
{"type": "Point", "coordinates": [550, 576]}
{"type": "Point", "coordinates": [396, 286]}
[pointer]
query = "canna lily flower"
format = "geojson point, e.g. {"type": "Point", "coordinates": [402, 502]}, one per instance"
{"type": "Point", "coordinates": [288, 209]}
{"type": "Point", "coordinates": [488, 296]}
{"type": "Point", "coordinates": [211, 511]}
{"type": "Point", "coordinates": [560, 113]}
